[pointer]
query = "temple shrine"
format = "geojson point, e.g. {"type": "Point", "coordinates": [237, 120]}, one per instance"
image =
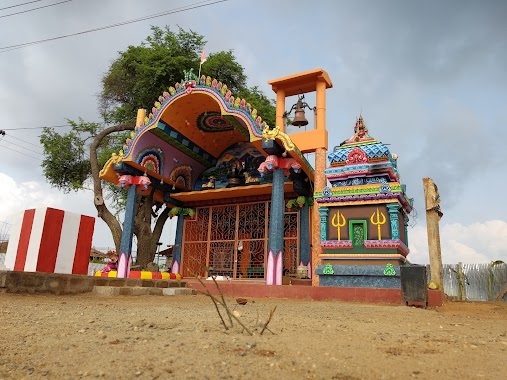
{"type": "Point", "coordinates": [250, 206]}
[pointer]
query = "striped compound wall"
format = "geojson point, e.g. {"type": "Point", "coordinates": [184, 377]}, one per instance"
{"type": "Point", "coordinates": [50, 240]}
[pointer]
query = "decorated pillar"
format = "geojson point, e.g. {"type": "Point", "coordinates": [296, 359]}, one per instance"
{"type": "Point", "coordinates": [274, 270]}
{"type": "Point", "coordinates": [178, 241]}
{"type": "Point", "coordinates": [323, 212]}
{"type": "Point", "coordinates": [304, 235]}
{"type": "Point", "coordinates": [127, 234]}
{"type": "Point", "coordinates": [393, 209]}
{"type": "Point", "coordinates": [130, 182]}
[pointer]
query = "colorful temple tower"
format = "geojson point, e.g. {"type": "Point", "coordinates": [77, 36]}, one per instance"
{"type": "Point", "coordinates": [363, 215]}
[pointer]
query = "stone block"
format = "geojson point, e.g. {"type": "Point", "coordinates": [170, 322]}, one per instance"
{"type": "Point", "coordinates": [3, 279]}
{"type": "Point", "coordinates": [106, 291]}
{"type": "Point", "coordinates": [133, 282]}
{"type": "Point", "coordinates": [147, 284]}
{"type": "Point", "coordinates": [178, 291]}
{"type": "Point", "coordinates": [162, 284]}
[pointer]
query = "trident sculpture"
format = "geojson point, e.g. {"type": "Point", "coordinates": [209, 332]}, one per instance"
{"type": "Point", "coordinates": [338, 221]}
{"type": "Point", "coordinates": [380, 221]}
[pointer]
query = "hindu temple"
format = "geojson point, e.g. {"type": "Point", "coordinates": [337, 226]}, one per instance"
{"type": "Point", "coordinates": [250, 206]}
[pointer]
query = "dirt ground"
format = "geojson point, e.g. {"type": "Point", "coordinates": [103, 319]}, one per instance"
{"type": "Point", "coordinates": [162, 337]}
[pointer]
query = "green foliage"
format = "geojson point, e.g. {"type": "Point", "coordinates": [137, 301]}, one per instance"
{"type": "Point", "coordinates": [183, 211]}
{"type": "Point", "coordinates": [299, 202]}
{"type": "Point", "coordinates": [223, 67]}
{"type": "Point", "coordinates": [66, 164]}
{"type": "Point", "coordinates": [265, 107]}
{"type": "Point", "coordinates": [142, 73]}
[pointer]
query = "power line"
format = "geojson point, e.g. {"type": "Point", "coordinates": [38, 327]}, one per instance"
{"type": "Point", "coordinates": [34, 9]}
{"type": "Point", "coordinates": [200, 4]}
{"type": "Point", "coordinates": [18, 5]}
{"type": "Point", "coordinates": [26, 142]}
{"type": "Point", "coordinates": [50, 126]}
{"type": "Point", "coordinates": [22, 147]}
{"type": "Point", "coordinates": [14, 150]}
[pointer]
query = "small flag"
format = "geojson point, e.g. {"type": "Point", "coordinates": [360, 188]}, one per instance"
{"type": "Point", "coordinates": [203, 57]}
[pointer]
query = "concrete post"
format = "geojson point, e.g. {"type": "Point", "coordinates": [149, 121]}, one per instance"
{"type": "Point", "coordinates": [433, 215]}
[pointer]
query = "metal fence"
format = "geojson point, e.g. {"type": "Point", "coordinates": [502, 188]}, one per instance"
{"type": "Point", "coordinates": [478, 282]}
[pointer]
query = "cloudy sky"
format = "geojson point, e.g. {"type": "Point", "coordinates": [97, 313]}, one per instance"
{"type": "Point", "coordinates": [429, 77]}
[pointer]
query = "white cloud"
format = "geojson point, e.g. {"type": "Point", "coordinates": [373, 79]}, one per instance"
{"type": "Point", "coordinates": [479, 242]}
{"type": "Point", "coordinates": [16, 197]}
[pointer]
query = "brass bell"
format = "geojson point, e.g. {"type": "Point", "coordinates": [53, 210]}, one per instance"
{"type": "Point", "coordinates": [299, 115]}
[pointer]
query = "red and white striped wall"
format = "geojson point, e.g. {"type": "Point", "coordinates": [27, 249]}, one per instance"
{"type": "Point", "coordinates": [50, 240]}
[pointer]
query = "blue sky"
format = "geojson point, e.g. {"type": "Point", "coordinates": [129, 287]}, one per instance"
{"type": "Point", "coordinates": [429, 78]}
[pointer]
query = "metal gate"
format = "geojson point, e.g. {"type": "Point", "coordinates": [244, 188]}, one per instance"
{"type": "Point", "coordinates": [232, 241]}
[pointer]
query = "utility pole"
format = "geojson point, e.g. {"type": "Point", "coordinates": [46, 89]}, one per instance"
{"type": "Point", "coordinates": [433, 215]}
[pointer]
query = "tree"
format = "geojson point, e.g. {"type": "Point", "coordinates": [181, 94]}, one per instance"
{"type": "Point", "coordinates": [135, 80]}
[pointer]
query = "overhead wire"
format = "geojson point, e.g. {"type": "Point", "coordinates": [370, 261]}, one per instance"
{"type": "Point", "coordinates": [20, 146]}
{"type": "Point", "coordinates": [23, 141]}
{"type": "Point", "coordinates": [34, 9]}
{"type": "Point", "coordinates": [200, 4]}
{"type": "Point", "coordinates": [24, 128]}
{"type": "Point", "coordinates": [19, 5]}
{"type": "Point", "coordinates": [14, 150]}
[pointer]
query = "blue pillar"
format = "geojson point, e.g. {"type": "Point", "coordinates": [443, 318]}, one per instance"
{"type": "Point", "coordinates": [178, 241]}
{"type": "Point", "coordinates": [274, 268]}
{"type": "Point", "coordinates": [304, 235]}
{"type": "Point", "coordinates": [323, 212]}
{"type": "Point", "coordinates": [127, 234]}
{"type": "Point", "coordinates": [393, 217]}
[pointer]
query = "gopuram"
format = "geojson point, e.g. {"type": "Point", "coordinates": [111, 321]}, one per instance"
{"type": "Point", "coordinates": [364, 215]}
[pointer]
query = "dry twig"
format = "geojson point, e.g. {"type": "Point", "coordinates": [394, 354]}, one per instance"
{"type": "Point", "coordinates": [269, 320]}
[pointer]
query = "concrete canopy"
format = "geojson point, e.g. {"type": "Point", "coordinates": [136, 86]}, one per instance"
{"type": "Point", "coordinates": [185, 133]}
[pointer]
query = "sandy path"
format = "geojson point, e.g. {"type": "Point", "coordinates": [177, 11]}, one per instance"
{"type": "Point", "coordinates": [156, 337]}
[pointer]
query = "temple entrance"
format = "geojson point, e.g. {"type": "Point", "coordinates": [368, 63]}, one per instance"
{"type": "Point", "coordinates": [232, 241]}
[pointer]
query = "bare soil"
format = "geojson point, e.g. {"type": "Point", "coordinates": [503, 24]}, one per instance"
{"type": "Point", "coordinates": [157, 337]}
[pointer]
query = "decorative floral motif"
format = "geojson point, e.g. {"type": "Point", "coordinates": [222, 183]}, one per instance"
{"type": "Point", "coordinates": [328, 269]}
{"type": "Point", "coordinates": [326, 192]}
{"type": "Point", "coordinates": [389, 270]}
{"type": "Point", "coordinates": [356, 156]}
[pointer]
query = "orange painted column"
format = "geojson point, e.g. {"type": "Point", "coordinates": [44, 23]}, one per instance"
{"type": "Point", "coordinates": [320, 178]}
{"type": "Point", "coordinates": [280, 109]}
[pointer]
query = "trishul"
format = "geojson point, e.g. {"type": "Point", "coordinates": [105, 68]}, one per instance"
{"type": "Point", "coordinates": [381, 219]}
{"type": "Point", "coordinates": [338, 221]}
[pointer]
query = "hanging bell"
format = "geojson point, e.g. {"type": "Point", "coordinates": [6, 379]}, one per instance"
{"type": "Point", "coordinates": [299, 115]}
